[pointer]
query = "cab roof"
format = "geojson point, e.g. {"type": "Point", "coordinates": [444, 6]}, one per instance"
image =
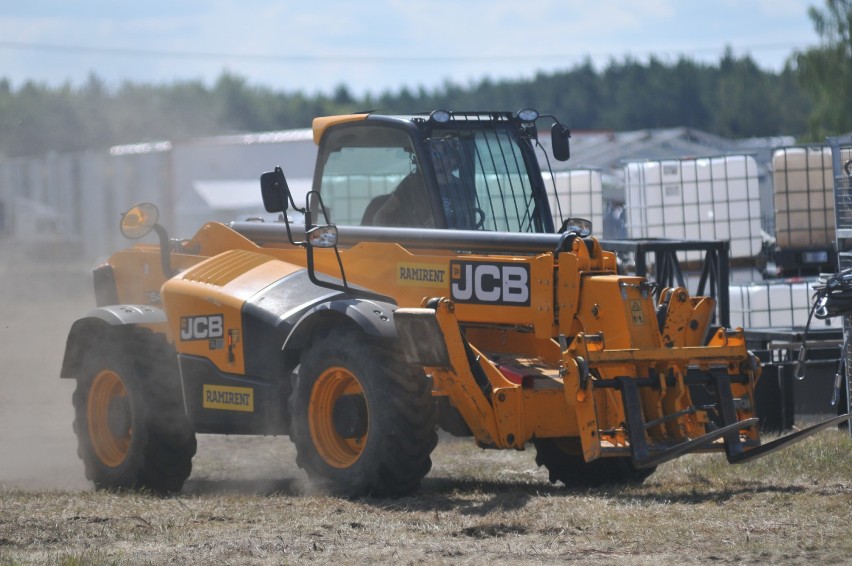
{"type": "Point", "coordinates": [322, 123]}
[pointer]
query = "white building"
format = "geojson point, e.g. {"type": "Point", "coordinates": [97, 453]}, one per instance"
{"type": "Point", "coordinates": [76, 199]}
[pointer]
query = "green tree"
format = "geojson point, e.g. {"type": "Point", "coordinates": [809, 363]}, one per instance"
{"type": "Point", "coordinates": [746, 99]}
{"type": "Point", "coordinates": [825, 72]}
{"type": "Point", "coordinates": [734, 98]}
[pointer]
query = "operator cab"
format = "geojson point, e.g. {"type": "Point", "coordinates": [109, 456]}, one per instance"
{"type": "Point", "coordinates": [466, 171]}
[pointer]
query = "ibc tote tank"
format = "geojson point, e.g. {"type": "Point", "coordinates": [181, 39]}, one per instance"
{"type": "Point", "coordinates": [578, 194]}
{"type": "Point", "coordinates": [803, 184]}
{"type": "Point", "coordinates": [773, 304]}
{"type": "Point", "coordinates": [713, 199]}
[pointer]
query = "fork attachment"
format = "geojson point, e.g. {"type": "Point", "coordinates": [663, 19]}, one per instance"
{"type": "Point", "coordinates": [645, 454]}
{"type": "Point", "coordinates": [640, 451]}
{"type": "Point", "coordinates": [660, 418]}
{"type": "Point", "coordinates": [655, 404]}
{"type": "Point", "coordinates": [785, 441]}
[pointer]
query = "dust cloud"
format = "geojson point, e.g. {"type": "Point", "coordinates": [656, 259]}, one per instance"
{"type": "Point", "coordinates": [41, 294]}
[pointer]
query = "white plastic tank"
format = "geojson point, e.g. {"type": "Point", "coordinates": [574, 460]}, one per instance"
{"type": "Point", "coordinates": [712, 199]}
{"type": "Point", "coordinates": [576, 193]}
{"type": "Point", "coordinates": [774, 304]}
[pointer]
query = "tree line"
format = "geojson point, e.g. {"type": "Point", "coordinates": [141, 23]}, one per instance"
{"type": "Point", "coordinates": [810, 98]}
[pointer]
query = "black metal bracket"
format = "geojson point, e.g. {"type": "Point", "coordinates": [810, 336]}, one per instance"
{"type": "Point", "coordinates": [640, 451]}
{"type": "Point", "coordinates": [728, 411]}
{"type": "Point", "coordinates": [715, 270]}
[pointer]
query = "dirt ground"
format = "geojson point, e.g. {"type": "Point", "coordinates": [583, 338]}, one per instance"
{"type": "Point", "coordinates": [247, 502]}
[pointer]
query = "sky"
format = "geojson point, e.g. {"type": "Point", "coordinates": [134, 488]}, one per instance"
{"type": "Point", "coordinates": [376, 46]}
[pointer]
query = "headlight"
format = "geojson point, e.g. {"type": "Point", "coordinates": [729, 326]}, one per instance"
{"type": "Point", "coordinates": [440, 116]}
{"type": "Point", "coordinates": [528, 115]}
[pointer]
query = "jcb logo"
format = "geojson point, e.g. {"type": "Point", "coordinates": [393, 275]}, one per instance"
{"type": "Point", "coordinates": [490, 283]}
{"type": "Point", "coordinates": [202, 327]}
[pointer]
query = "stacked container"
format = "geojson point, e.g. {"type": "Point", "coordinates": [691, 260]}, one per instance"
{"type": "Point", "coordinates": [804, 204]}
{"type": "Point", "coordinates": [576, 193]}
{"type": "Point", "coordinates": [714, 198]}
{"type": "Point", "coordinates": [774, 304]}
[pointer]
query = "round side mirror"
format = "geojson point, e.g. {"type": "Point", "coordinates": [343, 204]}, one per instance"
{"type": "Point", "coordinates": [139, 220]}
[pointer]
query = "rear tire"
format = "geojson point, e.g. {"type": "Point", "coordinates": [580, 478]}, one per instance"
{"type": "Point", "coordinates": [363, 420]}
{"type": "Point", "coordinates": [564, 462]}
{"type": "Point", "coordinates": [132, 430]}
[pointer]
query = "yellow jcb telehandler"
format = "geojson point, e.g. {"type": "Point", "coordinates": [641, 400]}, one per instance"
{"type": "Point", "coordinates": [426, 283]}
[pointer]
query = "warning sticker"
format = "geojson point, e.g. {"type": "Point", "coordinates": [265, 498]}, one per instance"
{"type": "Point", "coordinates": [636, 314]}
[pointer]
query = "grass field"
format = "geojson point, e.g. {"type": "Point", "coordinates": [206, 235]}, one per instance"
{"type": "Point", "coordinates": [247, 503]}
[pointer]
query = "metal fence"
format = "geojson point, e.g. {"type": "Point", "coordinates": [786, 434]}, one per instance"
{"type": "Point", "coordinates": [841, 160]}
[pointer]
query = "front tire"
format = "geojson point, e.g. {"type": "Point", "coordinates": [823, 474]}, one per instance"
{"type": "Point", "coordinates": [564, 462]}
{"type": "Point", "coordinates": [132, 431]}
{"type": "Point", "coordinates": [363, 421]}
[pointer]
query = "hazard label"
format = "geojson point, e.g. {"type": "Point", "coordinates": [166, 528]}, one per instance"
{"type": "Point", "coordinates": [636, 314]}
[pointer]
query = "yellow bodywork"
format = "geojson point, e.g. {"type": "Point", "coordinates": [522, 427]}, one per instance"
{"type": "Point", "coordinates": [581, 325]}
{"type": "Point", "coordinates": [322, 123]}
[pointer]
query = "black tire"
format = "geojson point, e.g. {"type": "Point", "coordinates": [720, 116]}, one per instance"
{"type": "Point", "coordinates": [132, 430]}
{"type": "Point", "coordinates": [564, 462]}
{"type": "Point", "coordinates": [363, 420]}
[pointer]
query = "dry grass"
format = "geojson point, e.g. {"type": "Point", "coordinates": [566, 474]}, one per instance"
{"type": "Point", "coordinates": [245, 503]}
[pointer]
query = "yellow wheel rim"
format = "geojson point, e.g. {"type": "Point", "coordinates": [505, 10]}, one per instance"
{"type": "Point", "coordinates": [110, 446]}
{"type": "Point", "coordinates": [337, 450]}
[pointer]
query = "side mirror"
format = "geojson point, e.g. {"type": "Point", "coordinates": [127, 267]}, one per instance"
{"type": "Point", "coordinates": [559, 135]}
{"type": "Point", "coordinates": [323, 236]}
{"type": "Point", "coordinates": [139, 221]}
{"type": "Point", "coordinates": [273, 187]}
{"type": "Point", "coordinates": [579, 226]}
